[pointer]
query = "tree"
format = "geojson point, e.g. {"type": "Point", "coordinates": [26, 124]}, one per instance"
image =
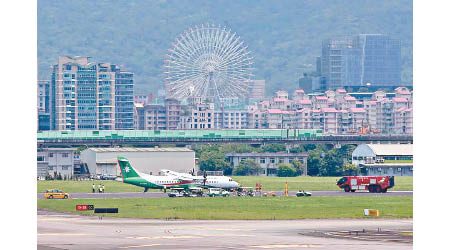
{"type": "Point", "coordinates": [298, 167]}
{"type": "Point", "coordinates": [314, 162]}
{"type": "Point", "coordinates": [295, 150]}
{"type": "Point", "coordinates": [350, 169]}
{"type": "Point", "coordinates": [213, 161]}
{"type": "Point", "coordinates": [199, 149]}
{"type": "Point", "coordinates": [286, 170]}
{"type": "Point", "coordinates": [80, 148]}
{"type": "Point", "coordinates": [248, 167]}
{"type": "Point", "coordinates": [332, 164]}
{"type": "Point", "coordinates": [273, 148]}
{"type": "Point", "coordinates": [238, 148]}
{"type": "Point", "coordinates": [309, 147]}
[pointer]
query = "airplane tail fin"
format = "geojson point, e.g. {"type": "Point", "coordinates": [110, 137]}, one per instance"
{"type": "Point", "coordinates": [126, 169]}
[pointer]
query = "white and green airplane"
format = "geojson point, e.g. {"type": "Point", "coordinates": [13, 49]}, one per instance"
{"type": "Point", "coordinates": [172, 180]}
{"type": "Point", "coordinates": [134, 177]}
{"type": "Point", "coordinates": [224, 182]}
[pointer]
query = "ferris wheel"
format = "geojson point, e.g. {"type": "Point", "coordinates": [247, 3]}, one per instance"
{"type": "Point", "coordinates": [209, 62]}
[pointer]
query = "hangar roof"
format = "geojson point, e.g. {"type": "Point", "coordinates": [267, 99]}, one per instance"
{"type": "Point", "coordinates": [387, 149]}
{"type": "Point", "coordinates": [99, 150]}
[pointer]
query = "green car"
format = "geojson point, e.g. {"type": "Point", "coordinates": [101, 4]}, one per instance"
{"type": "Point", "coordinates": [302, 194]}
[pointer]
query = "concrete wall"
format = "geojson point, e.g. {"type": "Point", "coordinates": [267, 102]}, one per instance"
{"type": "Point", "coordinates": [59, 160]}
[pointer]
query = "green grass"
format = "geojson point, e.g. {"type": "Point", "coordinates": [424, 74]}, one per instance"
{"type": "Point", "coordinates": [398, 161]}
{"type": "Point", "coordinates": [240, 208]}
{"type": "Point", "coordinates": [402, 183]}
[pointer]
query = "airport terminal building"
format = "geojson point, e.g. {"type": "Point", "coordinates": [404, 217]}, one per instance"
{"type": "Point", "coordinates": [103, 161]}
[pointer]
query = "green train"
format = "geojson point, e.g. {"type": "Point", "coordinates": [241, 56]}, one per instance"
{"type": "Point", "coordinates": [180, 134]}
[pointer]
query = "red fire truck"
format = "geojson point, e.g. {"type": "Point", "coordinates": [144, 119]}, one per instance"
{"type": "Point", "coordinates": [375, 184]}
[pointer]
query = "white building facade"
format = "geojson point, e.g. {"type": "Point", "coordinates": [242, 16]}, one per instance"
{"type": "Point", "coordinates": [103, 161]}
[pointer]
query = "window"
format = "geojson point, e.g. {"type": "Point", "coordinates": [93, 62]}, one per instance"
{"type": "Point", "coordinates": [65, 167]}
{"type": "Point", "coordinates": [281, 160]}
{"type": "Point", "coordinates": [272, 160]}
{"type": "Point", "coordinates": [50, 155]}
{"type": "Point", "coordinates": [65, 155]}
{"type": "Point", "coordinates": [50, 167]}
{"type": "Point", "coordinates": [40, 158]}
{"type": "Point", "coordinates": [291, 159]}
{"type": "Point", "coordinates": [262, 160]}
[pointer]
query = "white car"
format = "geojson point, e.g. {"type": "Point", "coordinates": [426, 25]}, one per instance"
{"type": "Point", "coordinates": [213, 192]}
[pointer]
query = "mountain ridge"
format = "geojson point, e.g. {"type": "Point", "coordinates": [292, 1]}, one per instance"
{"type": "Point", "coordinates": [284, 36]}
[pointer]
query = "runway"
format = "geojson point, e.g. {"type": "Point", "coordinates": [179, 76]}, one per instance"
{"type": "Point", "coordinates": [278, 193]}
{"type": "Point", "coordinates": [67, 231]}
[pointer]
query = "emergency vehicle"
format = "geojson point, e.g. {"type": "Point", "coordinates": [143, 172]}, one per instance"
{"type": "Point", "coordinates": [375, 184]}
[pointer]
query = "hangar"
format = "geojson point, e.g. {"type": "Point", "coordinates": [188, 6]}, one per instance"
{"type": "Point", "coordinates": [103, 161]}
{"type": "Point", "coordinates": [384, 159]}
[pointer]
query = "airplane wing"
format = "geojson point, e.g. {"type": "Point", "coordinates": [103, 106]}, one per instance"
{"type": "Point", "coordinates": [181, 176]}
{"type": "Point", "coordinates": [169, 172]}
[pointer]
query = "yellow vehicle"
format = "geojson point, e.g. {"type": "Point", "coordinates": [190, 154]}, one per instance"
{"type": "Point", "coordinates": [269, 194]}
{"type": "Point", "coordinates": [56, 194]}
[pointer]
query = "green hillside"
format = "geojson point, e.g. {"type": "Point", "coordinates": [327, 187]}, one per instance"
{"type": "Point", "coordinates": [284, 36]}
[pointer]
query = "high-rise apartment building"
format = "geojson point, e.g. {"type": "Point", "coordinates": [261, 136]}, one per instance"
{"type": "Point", "coordinates": [367, 60]}
{"type": "Point", "coordinates": [173, 113]}
{"type": "Point", "coordinates": [90, 96]}
{"type": "Point", "coordinates": [43, 105]}
{"type": "Point", "coordinates": [257, 89]}
{"type": "Point", "coordinates": [157, 116]}
{"type": "Point", "coordinates": [230, 119]}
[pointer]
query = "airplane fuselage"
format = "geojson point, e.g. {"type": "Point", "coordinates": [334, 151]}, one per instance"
{"type": "Point", "coordinates": [159, 182]}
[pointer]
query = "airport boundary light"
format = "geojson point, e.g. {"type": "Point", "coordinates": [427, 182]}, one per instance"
{"type": "Point", "coordinates": [209, 62]}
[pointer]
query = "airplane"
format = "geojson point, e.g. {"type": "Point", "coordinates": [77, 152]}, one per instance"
{"type": "Point", "coordinates": [172, 180]}
{"type": "Point", "coordinates": [134, 177]}
{"type": "Point", "coordinates": [224, 182]}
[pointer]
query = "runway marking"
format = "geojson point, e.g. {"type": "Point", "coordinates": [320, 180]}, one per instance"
{"type": "Point", "coordinates": [61, 234]}
{"type": "Point", "coordinates": [164, 237]}
{"type": "Point", "coordinates": [289, 246]}
{"type": "Point", "coordinates": [149, 245]}
{"type": "Point", "coordinates": [227, 235]}
{"type": "Point", "coordinates": [57, 219]}
{"type": "Point", "coordinates": [221, 229]}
